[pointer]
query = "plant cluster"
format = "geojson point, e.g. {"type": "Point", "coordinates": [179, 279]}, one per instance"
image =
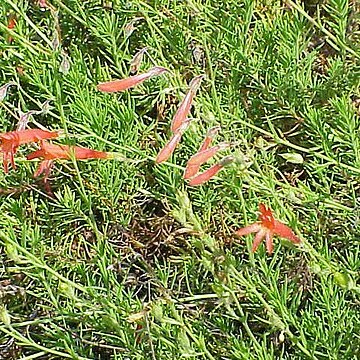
{"type": "Point", "coordinates": [133, 258]}
{"type": "Point", "coordinates": [10, 141]}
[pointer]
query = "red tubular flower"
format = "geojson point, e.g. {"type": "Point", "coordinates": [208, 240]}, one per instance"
{"type": "Point", "coordinates": [10, 141]}
{"type": "Point", "coordinates": [185, 105]}
{"type": "Point", "coordinates": [209, 173]}
{"type": "Point", "coordinates": [202, 156]}
{"type": "Point", "coordinates": [169, 148]}
{"type": "Point", "coordinates": [49, 152]}
{"type": "Point", "coordinates": [191, 170]}
{"type": "Point", "coordinates": [124, 84]}
{"type": "Point", "coordinates": [210, 135]}
{"type": "Point", "coordinates": [266, 228]}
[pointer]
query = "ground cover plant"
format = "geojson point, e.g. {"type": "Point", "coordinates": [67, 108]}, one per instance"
{"type": "Point", "coordinates": [123, 258]}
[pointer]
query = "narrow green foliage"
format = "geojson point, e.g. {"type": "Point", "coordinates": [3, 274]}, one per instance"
{"type": "Point", "coordinates": [126, 261]}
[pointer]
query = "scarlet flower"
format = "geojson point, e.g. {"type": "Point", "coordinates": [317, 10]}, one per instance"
{"type": "Point", "coordinates": [191, 170]}
{"type": "Point", "coordinates": [10, 141]}
{"type": "Point", "coordinates": [170, 146]}
{"type": "Point", "coordinates": [124, 84]}
{"type": "Point", "coordinates": [266, 228]}
{"type": "Point", "coordinates": [203, 156]}
{"type": "Point", "coordinates": [185, 105]}
{"type": "Point", "coordinates": [49, 152]}
{"type": "Point", "coordinates": [211, 172]}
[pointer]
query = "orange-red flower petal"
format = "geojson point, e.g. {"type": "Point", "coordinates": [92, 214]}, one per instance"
{"type": "Point", "coordinates": [185, 105]}
{"type": "Point", "coordinates": [258, 238]}
{"type": "Point", "coordinates": [266, 217]}
{"type": "Point", "coordinates": [285, 232]}
{"type": "Point", "coordinates": [170, 146]}
{"type": "Point", "coordinates": [266, 228]}
{"type": "Point", "coordinates": [202, 156]}
{"type": "Point", "coordinates": [269, 242]}
{"type": "Point", "coordinates": [10, 141]}
{"type": "Point", "coordinates": [211, 172]}
{"type": "Point", "coordinates": [249, 229]}
{"type": "Point", "coordinates": [191, 170]}
{"type": "Point", "coordinates": [124, 84]}
{"type": "Point", "coordinates": [51, 152]}
{"type": "Point", "coordinates": [45, 168]}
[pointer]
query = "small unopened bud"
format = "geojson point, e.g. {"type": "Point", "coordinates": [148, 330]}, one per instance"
{"type": "Point", "coordinates": [226, 160]}
{"type": "Point", "coordinates": [137, 60]}
{"type": "Point", "coordinates": [65, 63]}
{"type": "Point", "coordinates": [212, 132]}
{"type": "Point", "coordinates": [130, 27]}
{"type": "Point", "coordinates": [281, 337]}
